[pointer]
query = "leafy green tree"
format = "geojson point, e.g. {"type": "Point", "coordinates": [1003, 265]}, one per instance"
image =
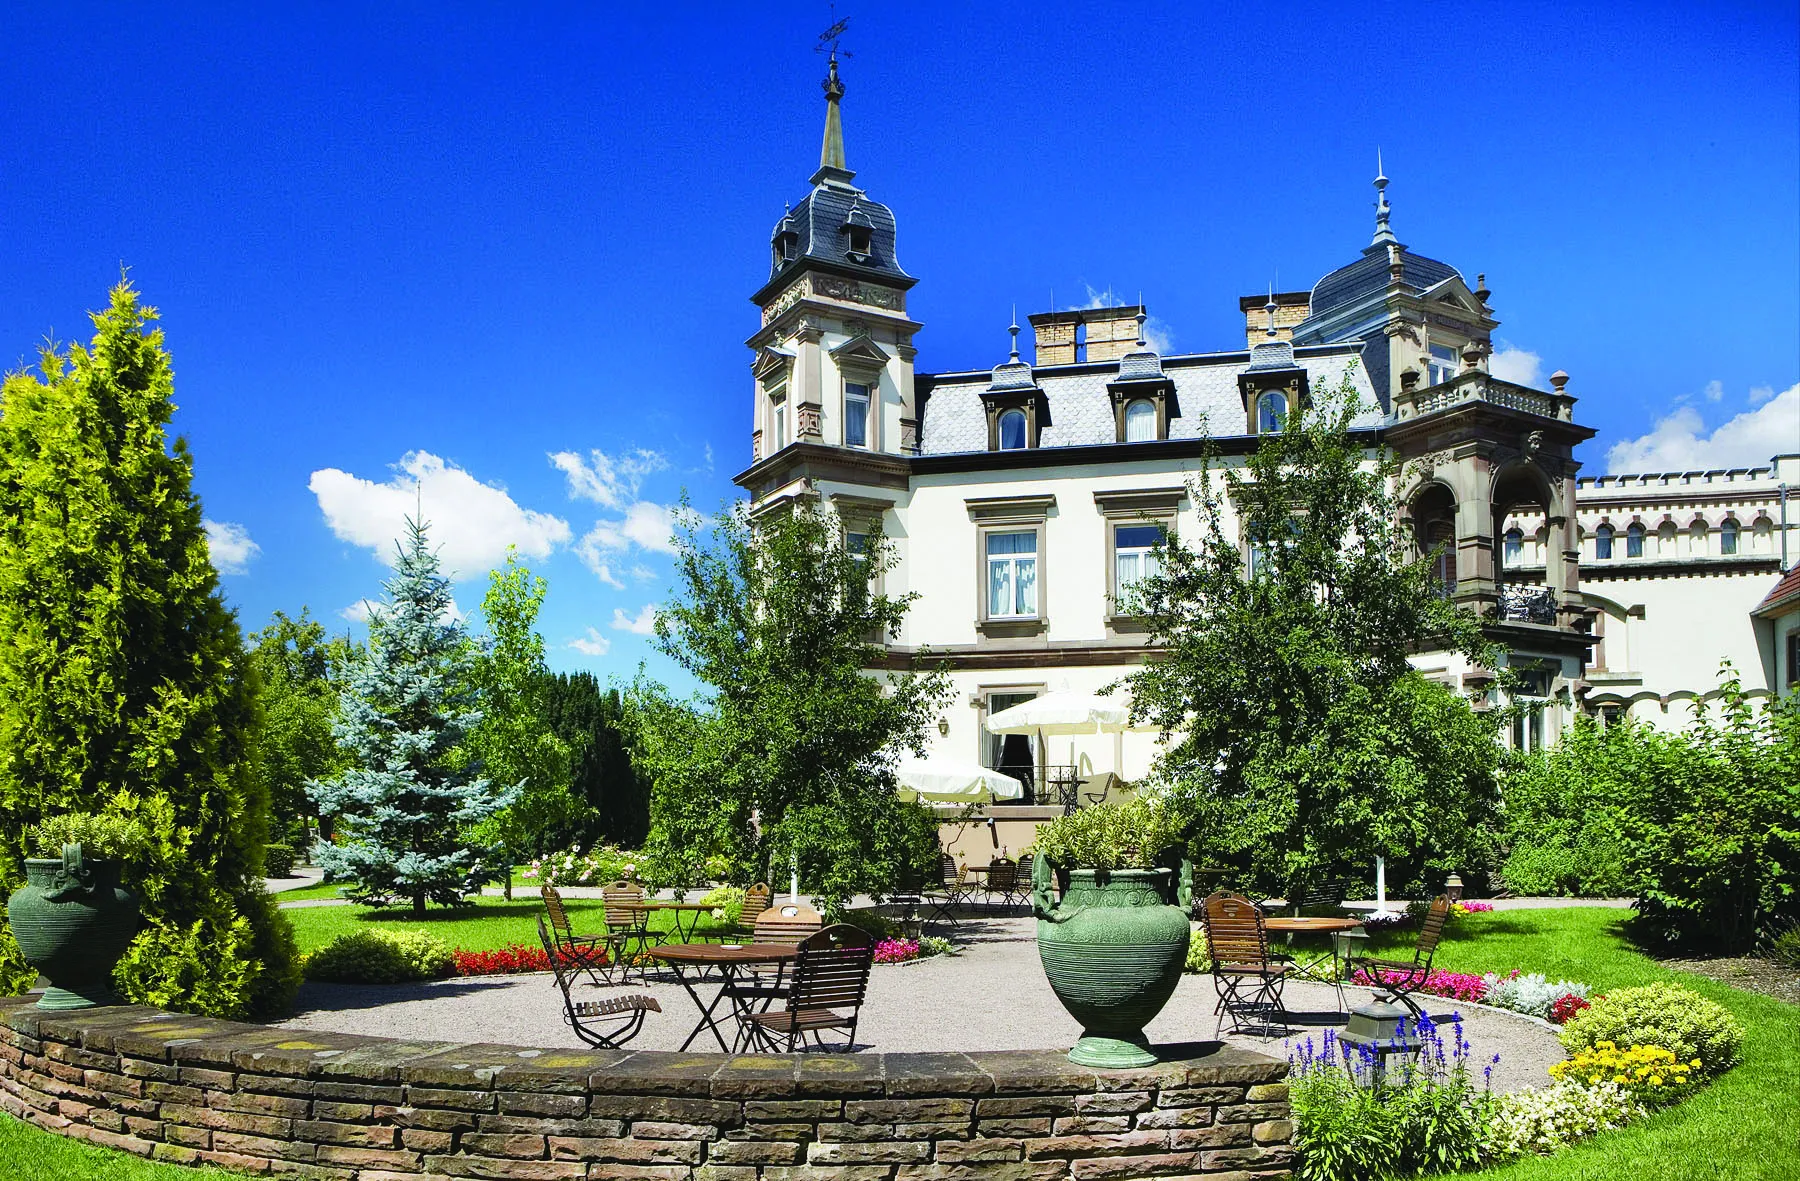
{"type": "Point", "coordinates": [1306, 742]}
{"type": "Point", "coordinates": [123, 681]}
{"type": "Point", "coordinates": [409, 795]}
{"type": "Point", "coordinates": [789, 753]}
{"type": "Point", "coordinates": [297, 667]}
{"type": "Point", "coordinates": [591, 720]}
{"type": "Point", "coordinates": [515, 741]}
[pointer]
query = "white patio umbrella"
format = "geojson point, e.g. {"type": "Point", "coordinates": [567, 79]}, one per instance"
{"type": "Point", "coordinates": [949, 781]}
{"type": "Point", "coordinates": [1063, 712]}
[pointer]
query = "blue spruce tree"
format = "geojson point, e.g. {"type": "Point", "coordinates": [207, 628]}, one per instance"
{"type": "Point", "coordinates": [410, 797]}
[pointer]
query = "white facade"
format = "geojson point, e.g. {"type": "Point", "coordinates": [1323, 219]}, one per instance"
{"type": "Point", "coordinates": [1009, 493]}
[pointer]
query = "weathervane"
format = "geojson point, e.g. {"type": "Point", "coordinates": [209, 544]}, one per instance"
{"type": "Point", "coordinates": [833, 35]}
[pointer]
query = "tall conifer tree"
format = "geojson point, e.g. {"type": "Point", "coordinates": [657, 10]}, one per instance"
{"type": "Point", "coordinates": [123, 683]}
{"type": "Point", "coordinates": [411, 794]}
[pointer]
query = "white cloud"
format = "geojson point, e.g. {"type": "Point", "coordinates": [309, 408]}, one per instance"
{"type": "Point", "coordinates": [230, 546]}
{"type": "Point", "coordinates": [1760, 394]}
{"type": "Point", "coordinates": [1715, 390]}
{"type": "Point", "coordinates": [609, 481]}
{"type": "Point", "coordinates": [1678, 443]}
{"type": "Point", "coordinates": [646, 525]}
{"type": "Point", "coordinates": [642, 573]}
{"type": "Point", "coordinates": [590, 557]}
{"type": "Point", "coordinates": [470, 523]}
{"type": "Point", "coordinates": [357, 612]}
{"type": "Point", "coordinates": [643, 625]}
{"type": "Point", "coordinates": [592, 644]}
{"type": "Point", "coordinates": [1517, 365]}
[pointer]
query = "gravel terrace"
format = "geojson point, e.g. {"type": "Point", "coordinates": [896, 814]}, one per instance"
{"type": "Point", "coordinates": [990, 996]}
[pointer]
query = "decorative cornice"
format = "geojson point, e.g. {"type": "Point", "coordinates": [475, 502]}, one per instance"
{"type": "Point", "coordinates": [1127, 502]}
{"type": "Point", "coordinates": [1033, 507]}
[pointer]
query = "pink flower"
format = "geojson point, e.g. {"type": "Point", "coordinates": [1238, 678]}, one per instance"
{"type": "Point", "coordinates": [896, 951]}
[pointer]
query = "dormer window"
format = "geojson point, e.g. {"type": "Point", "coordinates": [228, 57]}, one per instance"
{"type": "Point", "coordinates": [1140, 421]}
{"type": "Point", "coordinates": [786, 247]}
{"type": "Point", "coordinates": [861, 238]}
{"type": "Point", "coordinates": [1012, 430]}
{"type": "Point", "coordinates": [1271, 413]}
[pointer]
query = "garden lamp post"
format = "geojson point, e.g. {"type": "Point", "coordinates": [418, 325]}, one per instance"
{"type": "Point", "coordinates": [1377, 1028]}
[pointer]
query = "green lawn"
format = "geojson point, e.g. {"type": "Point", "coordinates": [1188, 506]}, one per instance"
{"type": "Point", "coordinates": [27, 1151]}
{"type": "Point", "coordinates": [489, 923]}
{"type": "Point", "coordinates": [1745, 1125]}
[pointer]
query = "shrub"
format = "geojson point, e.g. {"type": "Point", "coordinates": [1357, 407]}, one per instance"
{"type": "Point", "coordinates": [1540, 868]}
{"type": "Point", "coordinates": [1428, 1114]}
{"type": "Point", "coordinates": [1532, 995]}
{"type": "Point", "coordinates": [1197, 959]}
{"type": "Point", "coordinates": [381, 956]}
{"type": "Point", "coordinates": [278, 861]}
{"type": "Point", "coordinates": [878, 925]}
{"type": "Point", "coordinates": [572, 867]}
{"type": "Point", "coordinates": [1548, 1119]}
{"type": "Point", "coordinates": [1678, 1019]}
{"type": "Point", "coordinates": [1132, 835]}
{"type": "Point", "coordinates": [117, 837]}
{"type": "Point", "coordinates": [727, 903]}
{"type": "Point", "coordinates": [1652, 1074]}
{"type": "Point", "coordinates": [1785, 947]}
{"type": "Point", "coordinates": [936, 945]}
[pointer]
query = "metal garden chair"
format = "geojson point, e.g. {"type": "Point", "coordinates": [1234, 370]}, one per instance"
{"type": "Point", "coordinates": [1400, 979]}
{"type": "Point", "coordinates": [831, 977]}
{"type": "Point", "coordinates": [622, 1016]}
{"type": "Point", "coordinates": [1247, 977]}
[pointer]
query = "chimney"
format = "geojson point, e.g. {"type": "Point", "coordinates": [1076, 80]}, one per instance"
{"type": "Point", "coordinates": [1291, 307]}
{"type": "Point", "coordinates": [1111, 332]}
{"type": "Point", "coordinates": [1085, 334]}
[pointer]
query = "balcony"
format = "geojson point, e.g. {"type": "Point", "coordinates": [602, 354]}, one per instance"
{"type": "Point", "coordinates": [1477, 386]}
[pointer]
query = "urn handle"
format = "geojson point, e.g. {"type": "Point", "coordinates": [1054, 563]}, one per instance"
{"type": "Point", "coordinates": [75, 880]}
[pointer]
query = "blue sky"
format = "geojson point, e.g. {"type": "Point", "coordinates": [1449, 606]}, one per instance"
{"type": "Point", "coordinates": [509, 256]}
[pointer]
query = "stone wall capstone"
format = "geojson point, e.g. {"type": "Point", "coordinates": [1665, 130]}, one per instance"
{"type": "Point", "coordinates": [336, 1106]}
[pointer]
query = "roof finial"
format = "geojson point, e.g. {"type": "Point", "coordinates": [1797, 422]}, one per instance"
{"type": "Point", "coordinates": [1142, 316]}
{"type": "Point", "coordinates": [1383, 234]}
{"type": "Point", "coordinates": [1270, 308]}
{"type": "Point", "coordinates": [1015, 335]}
{"type": "Point", "coordinates": [832, 152]}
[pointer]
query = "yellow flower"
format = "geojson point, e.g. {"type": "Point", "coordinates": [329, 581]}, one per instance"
{"type": "Point", "coordinates": [1620, 1080]}
{"type": "Point", "coordinates": [1594, 1078]}
{"type": "Point", "coordinates": [1695, 1064]}
{"type": "Point", "coordinates": [1656, 1080]}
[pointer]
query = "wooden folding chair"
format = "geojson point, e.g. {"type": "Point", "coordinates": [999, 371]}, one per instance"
{"type": "Point", "coordinates": [623, 1015]}
{"type": "Point", "coordinates": [1400, 979]}
{"type": "Point", "coordinates": [628, 930]}
{"type": "Point", "coordinates": [1246, 976]}
{"type": "Point", "coordinates": [583, 953]}
{"type": "Point", "coordinates": [831, 977]}
{"type": "Point", "coordinates": [1002, 881]}
{"type": "Point", "coordinates": [953, 890]}
{"type": "Point", "coordinates": [789, 923]}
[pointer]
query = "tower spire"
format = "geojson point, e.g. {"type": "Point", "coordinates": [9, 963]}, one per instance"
{"type": "Point", "coordinates": [1384, 235]}
{"type": "Point", "coordinates": [831, 152]}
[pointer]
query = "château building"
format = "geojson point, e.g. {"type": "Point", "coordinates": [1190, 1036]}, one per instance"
{"type": "Point", "coordinates": [1024, 498]}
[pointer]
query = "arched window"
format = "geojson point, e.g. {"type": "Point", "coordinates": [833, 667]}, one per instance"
{"type": "Point", "coordinates": [1697, 539]}
{"type": "Point", "coordinates": [1271, 413]}
{"type": "Point", "coordinates": [1634, 540]}
{"type": "Point", "coordinates": [1512, 552]}
{"type": "Point", "coordinates": [1603, 541]}
{"type": "Point", "coordinates": [1012, 430]}
{"type": "Point", "coordinates": [1442, 539]}
{"type": "Point", "coordinates": [1140, 421]}
{"type": "Point", "coordinates": [1665, 539]}
{"type": "Point", "coordinates": [1728, 536]}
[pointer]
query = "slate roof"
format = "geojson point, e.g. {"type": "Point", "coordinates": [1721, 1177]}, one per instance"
{"type": "Point", "coordinates": [1081, 409]}
{"type": "Point", "coordinates": [819, 222]}
{"type": "Point", "coordinates": [1368, 276]}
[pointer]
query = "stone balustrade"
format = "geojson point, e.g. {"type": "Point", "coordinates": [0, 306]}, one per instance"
{"type": "Point", "coordinates": [337, 1106]}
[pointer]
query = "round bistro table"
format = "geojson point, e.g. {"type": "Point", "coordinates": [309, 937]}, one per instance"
{"type": "Point", "coordinates": [690, 962]}
{"type": "Point", "coordinates": [1340, 931]}
{"type": "Point", "coordinates": [692, 909]}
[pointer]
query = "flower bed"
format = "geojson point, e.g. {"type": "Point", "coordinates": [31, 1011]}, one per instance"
{"type": "Point", "coordinates": [1531, 995]}
{"type": "Point", "coordinates": [901, 951]}
{"type": "Point", "coordinates": [1630, 1052]}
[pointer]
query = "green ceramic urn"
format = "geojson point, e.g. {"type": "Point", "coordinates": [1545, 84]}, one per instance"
{"type": "Point", "coordinates": [73, 922]}
{"type": "Point", "coordinates": [1113, 949]}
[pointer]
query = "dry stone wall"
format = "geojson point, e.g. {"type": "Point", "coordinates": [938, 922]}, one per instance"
{"type": "Point", "coordinates": [325, 1105]}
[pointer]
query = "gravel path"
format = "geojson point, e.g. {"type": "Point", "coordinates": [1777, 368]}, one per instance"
{"type": "Point", "coordinates": [991, 996]}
